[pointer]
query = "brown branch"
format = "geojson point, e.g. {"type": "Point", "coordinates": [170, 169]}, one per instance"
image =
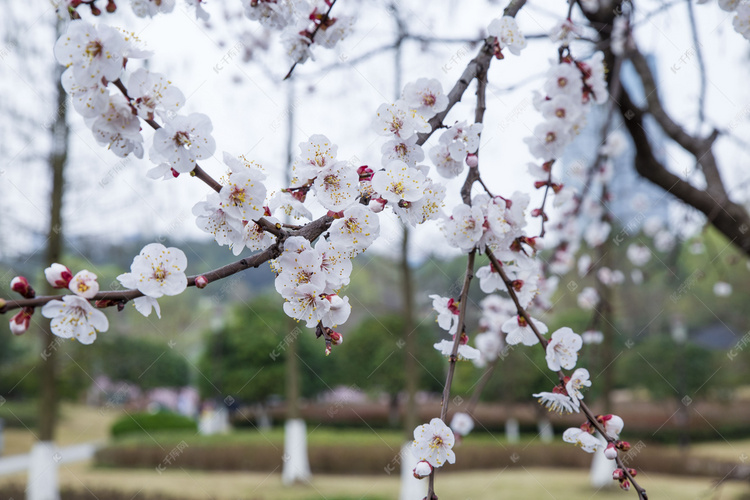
{"type": "Point", "coordinates": [560, 374]}
{"type": "Point", "coordinates": [699, 147]}
{"type": "Point", "coordinates": [454, 354]}
{"type": "Point", "coordinates": [728, 217]}
{"type": "Point", "coordinates": [310, 232]}
{"type": "Point", "coordinates": [476, 66]}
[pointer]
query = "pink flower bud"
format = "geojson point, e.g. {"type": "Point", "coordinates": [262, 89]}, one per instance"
{"type": "Point", "coordinates": [21, 285]}
{"type": "Point", "coordinates": [377, 205]}
{"type": "Point", "coordinates": [472, 160]}
{"type": "Point", "coordinates": [58, 276]}
{"type": "Point", "coordinates": [618, 474]}
{"type": "Point", "coordinates": [632, 472]}
{"type": "Point", "coordinates": [20, 322]}
{"type": "Point", "coordinates": [104, 303]}
{"type": "Point", "coordinates": [625, 485]}
{"type": "Point", "coordinates": [423, 469]}
{"type": "Point", "coordinates": [201, 281]}
{"type": "Point", "coordinates": [610, 452]}
{"type": "Point", "coordinates": [623, 445]}
{"type": "Point", "coordinates": [337, 338]}
{"type": "Point", "coordinates": [365, 173]}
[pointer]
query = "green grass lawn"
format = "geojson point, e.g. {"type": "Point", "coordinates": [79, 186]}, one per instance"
{"type": "Point", "coordinates": [316, 436]}
{"type": "Point", "coordinates": [508, 484]}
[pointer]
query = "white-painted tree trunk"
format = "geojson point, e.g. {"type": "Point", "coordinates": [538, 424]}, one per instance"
{"type": "Point", "coordinates": [546, 433]}
{"type": "Point", "coordinates": [512, 432]}
{"type": "Point", "coordinates": [411, 487]}
{"type": "Point", "coordinates": [42, 480]}
{"type": "Point", "coordinates": [602, 469]}
{"type": "Point", "coordinates": [296, 463]}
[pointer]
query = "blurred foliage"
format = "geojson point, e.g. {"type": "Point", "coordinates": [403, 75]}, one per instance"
{"type": "Point", "coordinates": [374, 356]}
{"type": "Point", "coordinates": [146, 423]}
{"type": "Point", "coordinates": [146, 363]}
{"type": "Point", "coordinates": [244, 357]}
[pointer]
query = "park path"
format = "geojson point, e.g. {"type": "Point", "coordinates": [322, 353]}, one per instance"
{"type": "Point", "coordinates": [67, 454]}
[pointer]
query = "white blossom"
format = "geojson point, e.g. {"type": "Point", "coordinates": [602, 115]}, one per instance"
{"type": "Point", "coordinates": [578, 380]}
{"type": "Point", "coordinates": [337, 186]}
{"type": "Point", "coordinates": [337, 312]}
{"type": "Point", "coordinates": [356, 230]}
{"type": "Point", "coordinates": [182, 141]}
{"type": "Point", "coordinates": [212, 218]}
{"type": "Point", "coordinates": [118, 128]}
{"type": "Point", "coordinates": [583, 439]}
{"type": "Point", "coordinates": [84, 284]}
{"type": "Point", "coordinates": [562, 349]}
{"type": "Point", "coordinates": [285, 203]}
{"type": "Point", "coordinates": [505, 29]}
{"type": "Point", "coordinates": [519, 331]}
{"type": "Point", "coordinates": [612, 425]}
{"type": "Point", "coordinates": [465, 227]}
{"type": "Point", "coordinates": [447, 310]}
{"type": "Point", "coordinates": [588, 299]}
{"type": "Point", "coordinates": [399, 182]}
{"type": "Point", "coordinates": [741, 21]}
{"type": "Point", "coordinates": [433, 443]}
{"type": "Point", "coordinates": [445, 164]}
{"type": "Point", "coordinates": [405, 150]}
{"type": "Point", "coordinates": [93, 52]}
{"type": "Point", "coordinates": [461, 139]}
{"type": "Point", "coordinates": [556, 402]}
{"type": "Point", "coordinates": [462, 423]}
{"type": "Point", "coordinates": [335, 264]}
{"type": "Point", "coordinates": [722, 289]}
{"type": "Point", "coordinates": [329, 35]}
{"type": "Point", "coordinates": [74, 317]}
{"type": "Point", "coordinates": [153, 94]}
{"type": "Point", "coordinates": [564, 78]}
{"type": "Point", "coordinates": [465, 352]}
{"type": "Point", "coordinates": [316, 154]}
{"type": "Point", "coordinates": [549, 140]}
{"type": "Point", "coordinates": [244, 194]}
{"type": "Point", "coordinates": [399, 120]}
{"type": "Point", "coordinates": [428, 207]}
{"type": "Point", "coordinates": [150, 8]}
{"type": "Point", "coordinates": [489, 279]}
{"type": "Point", "coordinates": [89, 99]}
{"type": "Point", "coordinates": [157, 270]}
{"type": "Point", "coordinates": [305, 303]}
{"type": "Point", "coordinates": [425, 96]}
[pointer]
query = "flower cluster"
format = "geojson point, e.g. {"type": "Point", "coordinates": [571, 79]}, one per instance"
{"type": "Point", "coordinates": [95, 57]}
{"type": "Point", "coordinates": [302, 23]}
{"type": "Point", "coordinates": [403, 184]}
{"type": "Point", "coordinates": [309, 277]}
{"type": "Point", "coordinates": [73, 316]}
{"type": "Point", "coordinates": [231, 215]}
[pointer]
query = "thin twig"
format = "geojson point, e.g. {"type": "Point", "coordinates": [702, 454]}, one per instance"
{"type": "Point", "coordinates": [454, 354]}
{"type": "Point", "coordinates": [312, 35]}
{"type": "Point", "coordinates": [310, 231]}
{"type": "Point", "coordinates": [561, 376]}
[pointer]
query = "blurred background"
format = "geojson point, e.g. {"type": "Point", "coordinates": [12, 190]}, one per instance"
{"type": "Point", "coordinates": [193, 405]}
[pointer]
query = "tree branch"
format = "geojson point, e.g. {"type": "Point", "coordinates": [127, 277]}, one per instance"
{"type": "Point", "coordinates": [309, 232]}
